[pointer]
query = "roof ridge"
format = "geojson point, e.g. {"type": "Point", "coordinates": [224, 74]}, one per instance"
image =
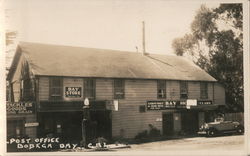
{"type": "Point", "coordinates": [100, 49]}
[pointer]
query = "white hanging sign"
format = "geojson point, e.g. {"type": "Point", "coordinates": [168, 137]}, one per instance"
{"type": "Point", "coordinates": [32, 124]}
{"type": "Point", "coordinates": [116, 105]}
{"type": "Point", "coordinates": [86, 102]}
{"type": "Point", "coordinates": [191, 102]}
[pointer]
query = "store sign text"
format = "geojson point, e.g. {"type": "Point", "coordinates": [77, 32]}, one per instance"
{"type": "Point", "coordinates": [40, 143]}
{"type": "Point", "coordinates": [162, 105]}
{"type": "Point", "coordinates": [205, 102]}
{"type": "Point", "coordinates": [74, 92]}
{"type": "Point", "coordinates": [20, 107]}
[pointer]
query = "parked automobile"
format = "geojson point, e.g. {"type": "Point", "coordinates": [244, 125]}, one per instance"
{"type": "Point", "coordinates": [219, 126]}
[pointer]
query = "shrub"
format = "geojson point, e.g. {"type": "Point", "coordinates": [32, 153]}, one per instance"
{"type": "Point", "coordinates": [153, 131]}
{"type": "Point", "coordinates": [148, 135]}
{"type": "Point", "coordinates": [142, 135]}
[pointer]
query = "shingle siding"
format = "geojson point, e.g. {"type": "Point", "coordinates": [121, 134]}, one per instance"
{"type": "Point", "coordinates": [137, 92]}
{"type": "Point", "coordinates": [43, 88]}
{"type": "Point", "coordinates": [104, 89]}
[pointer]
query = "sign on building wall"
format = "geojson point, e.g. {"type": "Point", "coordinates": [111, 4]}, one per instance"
{"type": "Point", "coordinates": [73, 92]}
{"type": "Point", "coordinates": [208, 102]}
{"type": "Point", "coordinates": [20, 107]}
{"type": "Point", "coordinates": [32, 124]}
{"type": "Point", "coordinates": [155, 105]}
{"type": "Point", "coordinates": [172, 104]}
{"type": "Point", "coordinates": [162, 105]}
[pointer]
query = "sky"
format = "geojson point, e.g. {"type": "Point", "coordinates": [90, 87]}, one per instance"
{"type": "Point", "coordinates": [110, 24]}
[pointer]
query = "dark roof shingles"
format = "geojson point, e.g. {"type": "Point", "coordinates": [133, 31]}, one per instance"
{"type": "Point", "coordinates": [55, 60]}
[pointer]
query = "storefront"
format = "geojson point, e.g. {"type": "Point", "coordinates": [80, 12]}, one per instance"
{"type": "Point", "coordinates": [126, 92]}
{"type": "Point", "coordinates": [67, 123]}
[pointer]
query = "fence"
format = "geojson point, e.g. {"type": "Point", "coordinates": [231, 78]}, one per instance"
{"type": "Point", "coordinates": [234, 117]}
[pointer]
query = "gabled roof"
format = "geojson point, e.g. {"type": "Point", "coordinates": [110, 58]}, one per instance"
{"type": "Point", "coordinates": [57, 60]}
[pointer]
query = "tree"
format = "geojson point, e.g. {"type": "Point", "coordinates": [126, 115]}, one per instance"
{"type": "Point", "coordinates": [217, 47]}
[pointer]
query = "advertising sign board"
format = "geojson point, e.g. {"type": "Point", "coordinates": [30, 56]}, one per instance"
{"type": "Point", "coordinates": [163, 105]}
{"type": "Point", "coordinates": [73, 92]}
{"type": "Point", "coordinates": [207, 102]}
{"type": "Point", "coordinates": [32, 124]}
{"type": "Point", "coordinates": [20, 107]}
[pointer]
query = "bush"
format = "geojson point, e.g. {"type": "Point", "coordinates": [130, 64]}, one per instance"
{"type": "Point", "coordinates": [153, 131]}
{"type": "Point", "coordinates": [142, 135]}
{"type": "Point", "coordinates": [145, 136]}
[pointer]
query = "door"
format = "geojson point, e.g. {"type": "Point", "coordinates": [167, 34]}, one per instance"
{"type": "Point", "coordinates": [71, 126]}
{"type": "Point", "coordinates": [189, 122]}
{"type": "Point", "coordinates": [167, 124]}
{"type": "Point", "coordinates": [100, 124]}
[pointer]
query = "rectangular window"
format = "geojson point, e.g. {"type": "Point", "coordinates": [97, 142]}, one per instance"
{"type": "Point", "coordinates": [26, 90]}
{"type": "Point", "coordinates": [203, 90]}
{"type": "Point", "coordinates": [89, 88]}
{"type": "Point", "coordinates": [55, 88]}
{"type": "Point", "coordinates": [21, 90]}
{"type": "Point", "coordinates": [142, 108]}
{"type": "Point", "coordinates": [119, 89]}
{"type": "Point", "coordinates": [15, 128]}
{"type": "Point", "coordinates": [183, 90]}
{"type": "Point", "coordinates": [161, 89]}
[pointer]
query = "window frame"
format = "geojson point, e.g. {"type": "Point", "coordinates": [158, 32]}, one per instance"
{"type": "Point", "coordinates": [161, 85]}
{"type": "Point", "coordinates": [26, 90]}
{"type": "Point", "coordinates": [21, 90]}
{"type": "Point", "coordinates": [52, 87]}
{"type": "Point", "coordinates": [89, 90]}
{"type": "Point", "coordinates": [181, 90]}
{"type": "Point", "coordinates": [119, 89]}
{"type": "Point", "coordinates": [204, 91]}
{"type": "Point", "coordinates": [142, 108]}
{"type": "Point", "coordinates": [13, 124]}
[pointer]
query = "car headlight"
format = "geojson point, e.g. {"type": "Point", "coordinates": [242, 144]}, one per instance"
{"type": "Point", "coordinates": [205, 126]}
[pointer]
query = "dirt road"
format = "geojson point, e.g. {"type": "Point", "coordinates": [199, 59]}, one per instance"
{"type": "Point", "coordinates": [224, 145]}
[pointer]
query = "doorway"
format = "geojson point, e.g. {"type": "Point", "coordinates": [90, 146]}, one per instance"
{"type": "Point", "coordinates": [66, 125]}
{"type": "Point", "coordinates": [100, 124]}
{"type": "Point", "coordinates": [189, 122]}
{"type": "Point", "coordinates": [167, 124]}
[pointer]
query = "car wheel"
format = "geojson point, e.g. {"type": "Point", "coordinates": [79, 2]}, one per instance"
{"type": "Point", "coordinates": [211, 133]}
{"type": "Point", "coordinates": [240, 130]}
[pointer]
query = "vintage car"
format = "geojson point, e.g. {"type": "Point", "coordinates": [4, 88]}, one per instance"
{"type": "Point", "coordinates": [219, 126]}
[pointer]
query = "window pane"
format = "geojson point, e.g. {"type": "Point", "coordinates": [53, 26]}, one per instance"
{"type": "Point", "coordinates": [203, 90]}
{"type": "Point", "coordinates": [89, 88]}
{"type": "Point", "coordinates": [27, 90]}
{"type": "Point", "coordinates": [119, 89]}
{"type": "Point", "coordinates": [55, 88]}
{"type": "Point", "coordinates": [161, 85]}
{"type": "Point", "coordinates": [15, 128]}
{"type": "Point", "coordinates": [57, 91]}
{"type": "Point", "coordinates": [183, 90]}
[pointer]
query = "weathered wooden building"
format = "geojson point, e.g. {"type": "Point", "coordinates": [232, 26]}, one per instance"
{"type": "Point", "coordinates": [127, 92]}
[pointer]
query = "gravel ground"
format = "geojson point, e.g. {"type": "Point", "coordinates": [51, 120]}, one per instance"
{"type": "Point", "coordinates": [201, 143]}
{"type": "Point", "coordinates": [195, 146]}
